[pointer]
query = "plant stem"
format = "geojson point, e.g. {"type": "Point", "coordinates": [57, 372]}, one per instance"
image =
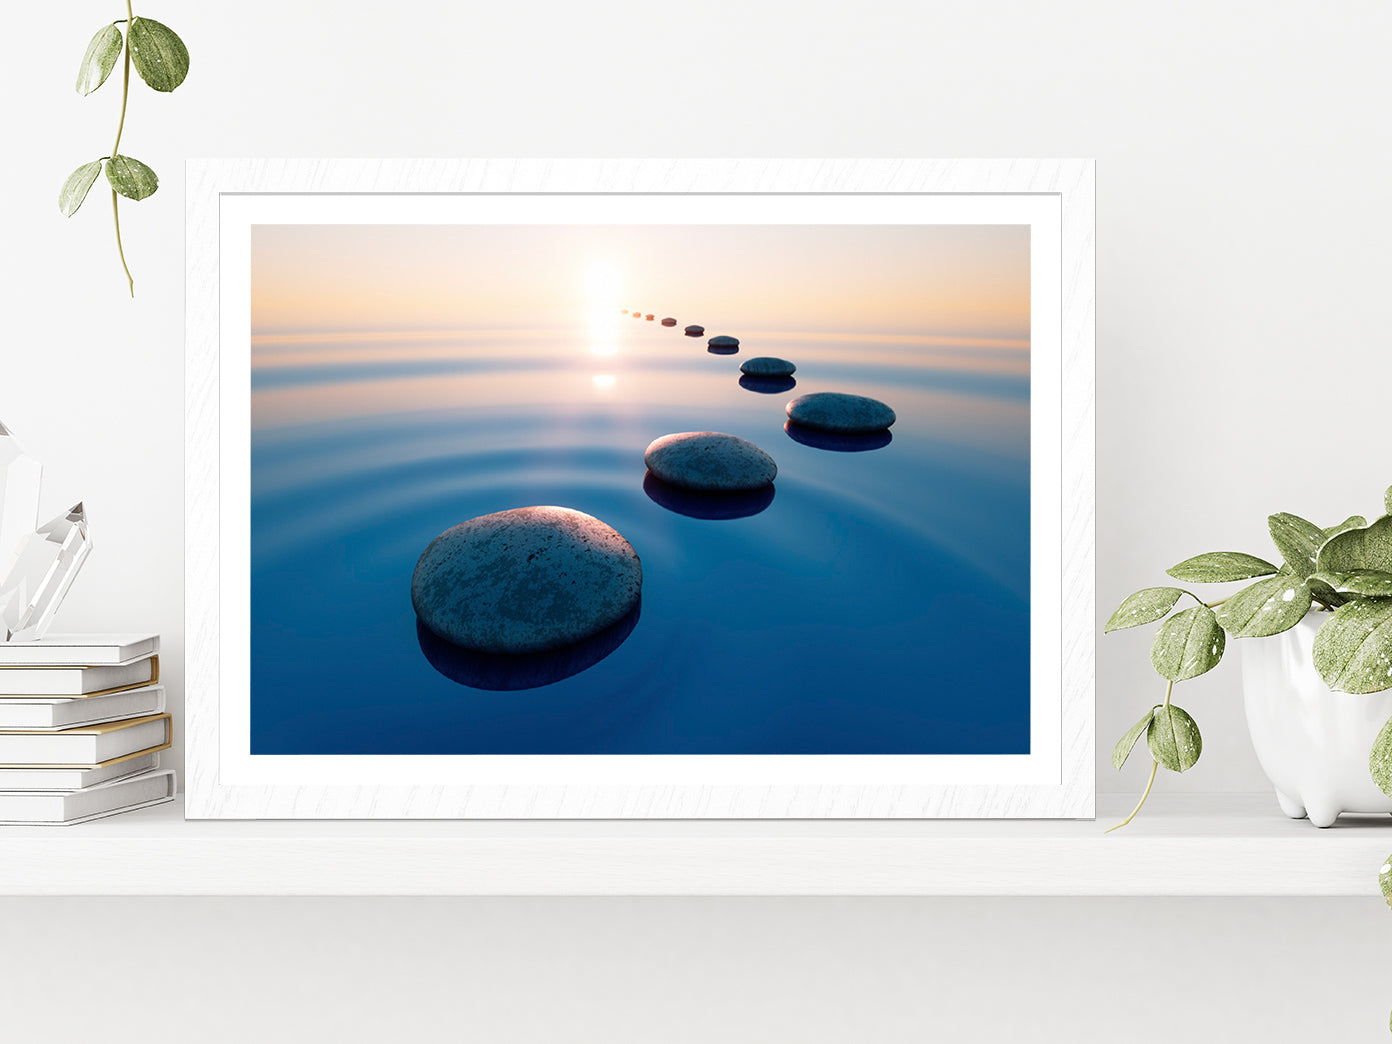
{"type": "Point", "coordinates": [1154, 767]}
{"type": "Point", "coordinates": [116, 215]}
{"type": "Point", "coordinates": [1206, 605]}
{"type": "Point", "coordinates": [120, 127]}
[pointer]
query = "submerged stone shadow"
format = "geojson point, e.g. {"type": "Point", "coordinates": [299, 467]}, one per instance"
{"type": "Point", "coordinates": [695, 503]}
{"type": "Point", "coordinates": [723, 349]}
{"type": "Point", "coordinates": [835, 440]}
{"type": "Point", "coordinates": [503, 672]}
{"type": "Point", "coordinates": [767, 385]}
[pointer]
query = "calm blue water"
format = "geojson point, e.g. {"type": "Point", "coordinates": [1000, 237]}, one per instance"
{"type": "Point", "coordinates": [877, 603]}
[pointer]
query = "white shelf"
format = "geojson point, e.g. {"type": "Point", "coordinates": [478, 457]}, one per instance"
{"type": "Point", "coordinates": [1198, 845]}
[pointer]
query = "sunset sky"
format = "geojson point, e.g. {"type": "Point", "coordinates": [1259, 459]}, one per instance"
{"type": "Point", "coordinates": [958, 282]}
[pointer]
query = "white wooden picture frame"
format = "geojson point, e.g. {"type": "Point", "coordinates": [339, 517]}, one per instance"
{"type": "Point", "coordinates": [1055, 779]}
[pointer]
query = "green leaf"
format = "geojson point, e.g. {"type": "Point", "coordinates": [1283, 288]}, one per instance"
{"type": "Point", "coordinates": [1352, 522]}
{"type": "Point", "coordinates": [99, 60]}
{"type": "Point", "coordinates": [1298, 541]}
{"type": "Point", "coordinates": [1188, 644]}
{"type": "Point", "coordinates": [1380, 765]}
{"type": "Point", "coordinates": [130, 177]}
{"type": "Point", "coordinates": [1366, 548]}
{"type": "Point", "coordinates": [1368, 583]}
{"type": "Point", "coordinates": [1267, 607]}
{"type": "Point", "coordinates": [1173, 738]}
{"type": "Point", "coordinates": [160, 57]}
{"type": "Point", "coordinates": [1143, 607]}
{"type": "Point", "coordinates": [1319, 588]}
{"type": "Point", "coordinates": [1122, 750]}
{"type": "Point", "coordinates": [1387, 500]}
{"type": "Point", "coordinates": [1218, 567]}
{"type": "Point", "coordinates": [75, 189]}
{"type": "Point", "coordinates": [1385, 871]}
{"type": "Point", "coordinates": [1353, 650]}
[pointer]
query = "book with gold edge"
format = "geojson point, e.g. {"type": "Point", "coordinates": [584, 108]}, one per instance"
{"type": "Point", "coordinates": [61, 777]}
{"type": "Point", "coordinates": [77, 681]}
{"type": "Point", "coordinates": [89, 745]}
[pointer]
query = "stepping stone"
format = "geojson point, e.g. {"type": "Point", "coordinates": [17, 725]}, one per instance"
{"type": "Point", "coordinates": [767, 366]}
{"type": "Point", "coordinates": [709, 460]}
{"type": "Point", "coordinates": [695, 331]}
{"type": "Point", "coordinates": [722, 341]}
{"type": "Point", "coordinates": [669, 322]}
{"type": "Point", "coordinates": [840, 412]}
{"type": "Point", "coordinates": [648, 317]}
{"type": "Point", "coordinates": [525, 580]}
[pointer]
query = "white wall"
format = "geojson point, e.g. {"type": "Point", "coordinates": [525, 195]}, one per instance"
{"type": "Point", "coordinates": [1242, 220]}
{"type": "Point", "coordinates": [1243, 360]}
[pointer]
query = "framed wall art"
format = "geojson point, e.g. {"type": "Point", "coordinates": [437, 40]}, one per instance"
{"type": "Point", "coordinates": [663, 489]}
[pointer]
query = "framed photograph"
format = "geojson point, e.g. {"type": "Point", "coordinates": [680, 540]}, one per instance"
{"type": "Point", "coordinates": [640, 489]}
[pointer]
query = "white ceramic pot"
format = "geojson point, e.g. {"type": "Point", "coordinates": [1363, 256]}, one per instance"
{"type": "Point", "coordinates": [1312, 742]}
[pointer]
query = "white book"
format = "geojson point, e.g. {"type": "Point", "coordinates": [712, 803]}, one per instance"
{"type": "Point", "coordinates": [77, 681]}
{"type": "Point", "coordinates": [45, 777]}
{"type": "Point", "coordinates": [45, 714]}
{"type": "Point", "coordinates": [87, 746]}
{"type": "Point", "coordinates": [66, 807]}
{"type": "Point", "coordinates": [79, 650]}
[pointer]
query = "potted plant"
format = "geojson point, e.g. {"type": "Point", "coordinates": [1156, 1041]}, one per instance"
{"type": "Point", "coordinates": [1318, 692]}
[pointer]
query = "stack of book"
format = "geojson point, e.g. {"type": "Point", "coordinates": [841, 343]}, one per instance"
{"type": "Point", "coordinates": [82, 723]}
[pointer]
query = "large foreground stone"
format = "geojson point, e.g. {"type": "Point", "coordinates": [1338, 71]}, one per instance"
{"type": "Point", "coordinates": [709, 460]}
{"type": "Point", "coordinates": [525, 580]}
{"type": "Point", "coordinates": [840, 412]}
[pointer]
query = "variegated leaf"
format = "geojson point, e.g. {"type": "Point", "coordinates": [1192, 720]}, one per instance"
{"type": "Point", "coordinates": [1143, 607]}
{"type": "Point", "coordinates": [1267, 607]}
{"type": "Point", "coordinates": [1219, 567]}
{"type": "Point", "coordinates": [1122, 750]}
{"type": "Point", "coordinates": [1369, 547]}
{"type": "Point", "coordinates": [1298, 541]}
{"type": "Point", "coordinates": [1367, 583]}
{"type": "Point", "coordinates": [1173, 738]}
{"type": "Point", "coordinates": [1353, 650]}
{"type": "Point", "coordinates": [1188, 644]}
{"type": "Point", "coordinates": [100, 59]}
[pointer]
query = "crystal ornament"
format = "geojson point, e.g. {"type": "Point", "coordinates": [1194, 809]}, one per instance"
{"type": "Point", "coordinates": [41, 574]}
{"type": "Point", "coordinates": [19, 496]}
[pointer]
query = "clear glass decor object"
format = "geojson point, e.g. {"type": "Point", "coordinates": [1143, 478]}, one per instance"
{"type": "Point", "coordinates": [20, 475]}
{"type": "Point", "coordinates": [41, 573]}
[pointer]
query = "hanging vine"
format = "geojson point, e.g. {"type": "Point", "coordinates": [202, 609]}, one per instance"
{"type": "Point", "coordinates": [162, 61]}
